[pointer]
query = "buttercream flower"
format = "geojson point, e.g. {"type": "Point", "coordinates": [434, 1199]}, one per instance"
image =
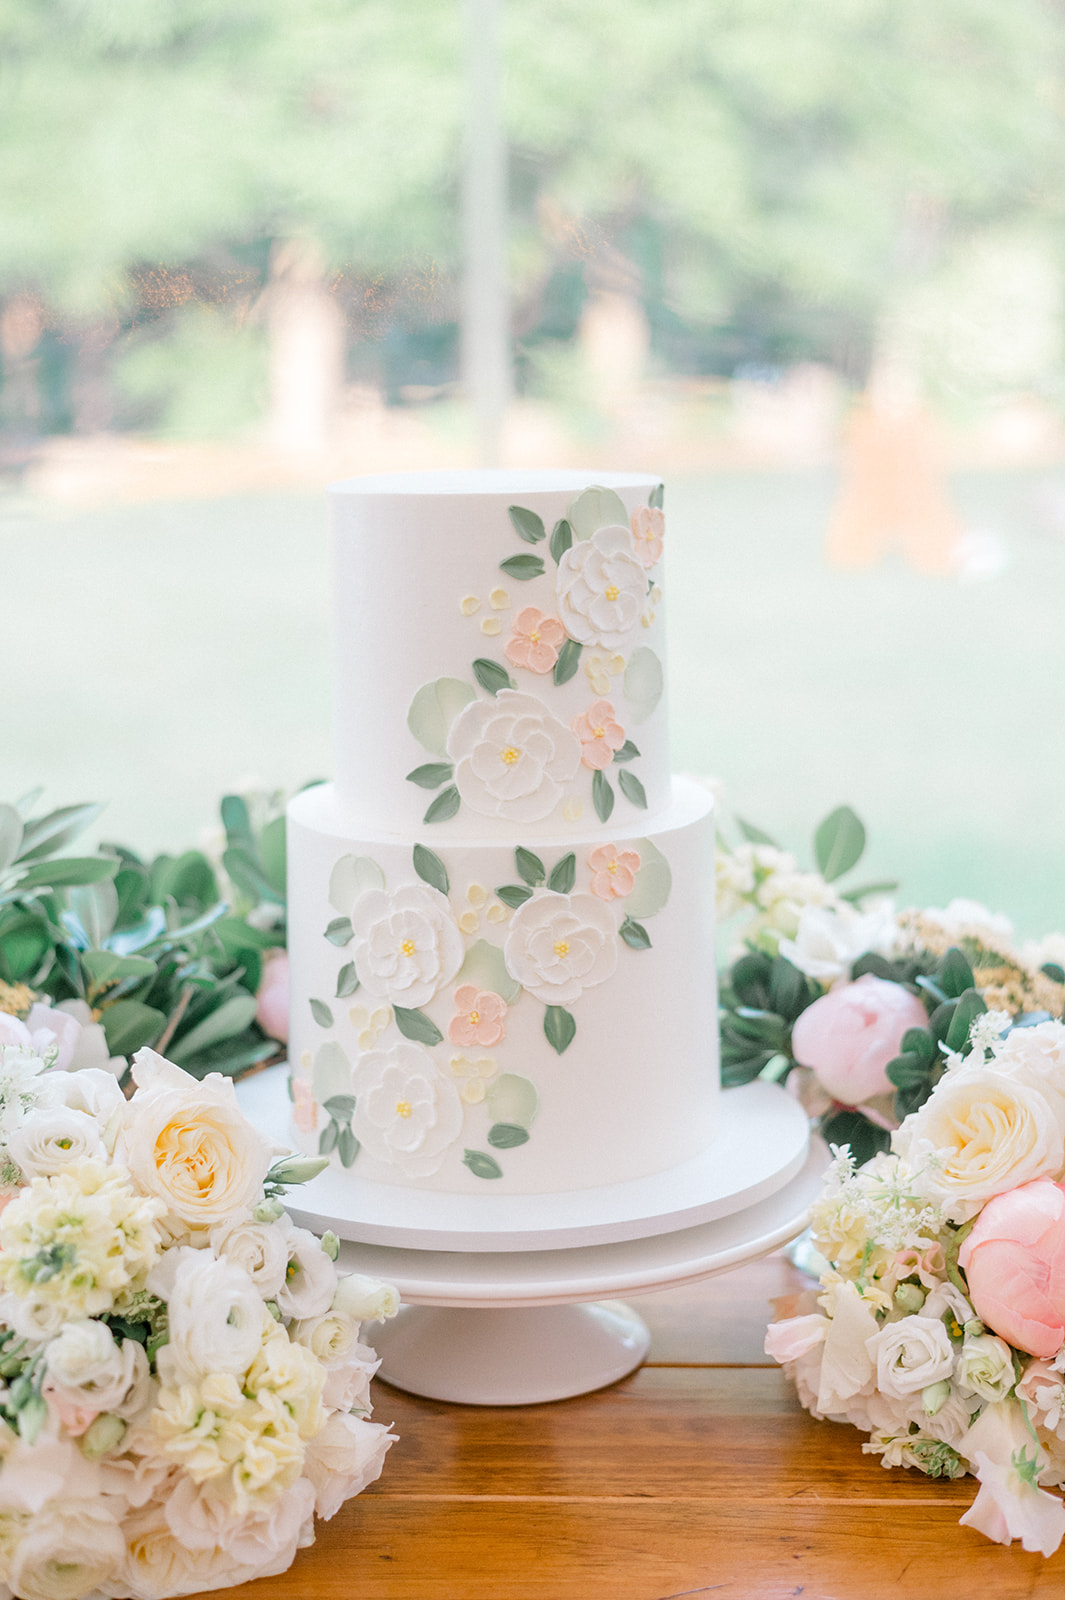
{"type": "Point", "coordinates": [600, 669]}
{"type": "Point", "coordinates": [613, 871]}
{"type": "Point", "coordinates": [473, 1075]}
{"type": "Point", "coordinates": [648, 527]}
{"type": "Point", "coordinates": [480, 1017]}
{"type": "Point", "coordinates": [406, 1113]}
{"type": "Point", "coordinates": [558, 945]}
{"type": "Point", "coordinates": [535, 641]}
{"type": "Point", "coordinates": [831, 938]}
{"type": "Point", "coordinates": [190, 1144]}
{"type": "Point", "coordinates": [406, 944]}
{"type": "Point", "coordinates": [850, 1034]}
{"type": "Point", "coordinates": [304, 1106]}
{"type": "Point", "coordinates": [271, 997]}
{"type": "Point", "coordinates": [216, 1315]}
{"type": "Point", "coordinates": [512, 757]}
{"type": "Point", "coordinates": [911, 1354]}
{"type": "Point", "coordinates": [600, 734]}
{"type": "Point", "coordinates": [601, 586]}
{"type": "Point", "coordinates": [1014, 1259]}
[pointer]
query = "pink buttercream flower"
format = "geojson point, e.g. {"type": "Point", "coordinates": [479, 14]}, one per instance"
{"type": "Point", "coordinates": [648, 527]}
{"type": "Point", "coordinates": [304, 1107]}
{"type": "Point", "coordinates": [600, 734]}
{"type": "Point", "coordinates": [480, 1016]}
{"type": "Point", "coordinates": [1014, 1259]}
{"type": "Point", "coordinates": [271, 1011]}
{"type": "Point", "coordinates": [536, 640]}
{"type": "Point", "coordinates": [613, 871]}
{"type": "Point", "coordinates": [850, 1034]}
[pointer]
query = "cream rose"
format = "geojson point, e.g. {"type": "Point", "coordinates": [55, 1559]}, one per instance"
{"type": "Point", "coordinates": [190, 1144]}
{"type": "Point", "coordinates": [217, 1318]}
{"type": "Point", "coordinates": [406, 1113]}
{"type": "Point", "coordinates": [558, 945]}
{"type": "Point", "coordinates": [910, 1355]}
{"type": "Point", "coordinates": [986, 1367]}
{"type": "Point", "coordinates": [406, 943]}
{"type": "Point", "coordinates": [512, 757]}
{"type": "Point", "coordinates": [601, 586]}
{"type": "Point", "coordinates": [49, 1140]}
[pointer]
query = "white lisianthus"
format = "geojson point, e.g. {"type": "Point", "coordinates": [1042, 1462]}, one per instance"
{"type": "Point", "coordinates": [558, 945]}
{"type": "Point", "coordinates": [601, 586]}
{"type": "Point", "coordinates": [70, 1549]}
{"type": "Point", "coordinates": [260, 1248]}
{"type": "Point", "coordinates": [201, 1519]}
{"type": "Point", "coordinates": [310, 1278]}
{"type": "Point", "coordinates": [831, 938]}
{"type": "Point", "coordinates": [512, 757]}
{"type": "Point", "coordinates": [345, 1456]}
{"type": "Point", "coordinates": [217, 1317]}
{"type": "Point", "coordinates": [347, 1382]}
{"type": "Point", "coordinates": [88, 1369]}
{"type": "Point", "coordinates": [910, 1355]}
{"type": "Point", "coordinates": [406, 1112]}
{"type": "Point", "coordinates": [50, 1139]}
{"type": "Point", "coordinates": [93, 1091]}
{"type": "Point", "coordinates": [406, 944]}
{"type": "Point", "coordinates": [366, 1299]}
{"type": "Point", "coordinates": [985, 1366]}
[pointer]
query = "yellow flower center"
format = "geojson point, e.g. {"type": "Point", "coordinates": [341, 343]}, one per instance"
{"type": "Point", "coordinates": [612, 591]}
{"type": "Point", "coordinates": [535, 636]}
{"type": "Point", "coordinates": [561, 947]}
{"type": "Point", "coordinates": [598, 732]}
{"type": "Point", "coordinates": [407, 947]}
{"type": "Point", "coordinates": [403, 1108]}
{"type": "Point", "coordinates": [475, 1017]}
{"type": "Point", "coordinates": [510, 755]}
{"type": "Point", "coordinates": [611, 866]}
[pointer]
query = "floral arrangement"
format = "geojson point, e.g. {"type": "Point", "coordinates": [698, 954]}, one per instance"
{"type": "Point", "coordinates": [182, 1386]}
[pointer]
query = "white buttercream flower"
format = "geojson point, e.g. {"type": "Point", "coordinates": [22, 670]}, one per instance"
{"type": "Point", "coordinates": [310, 1277]}
{"type": "Point", "coordinates": [406, 1112]}
{"type": "Point", "coordinates": [259, 1248]}
{"type": "Point", "coordinates": [406, 943]}
{"type": "Point", "coordinates": [601, 586]}
{"type": "Point", "coordinates": [216, 1315]}
{"type": "Point", "coordinates": [512, 757]}
{"type": "Point", "coordinates": [347, 1455]}
{"type": "Point", "coordinates": [558, 945]}
{"type": "Point", "coordinates": [831, 938]}
{"type": "Point", "coordinates": [910, 1355]}
{"type": "Point", "coordinates": [50, 1139]}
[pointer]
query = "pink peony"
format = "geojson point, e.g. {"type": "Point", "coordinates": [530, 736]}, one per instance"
{"type": "Point", "coordinates": [480, 1018]}
{"type": "Point", "coordinates": [850, 1034]}
{"type": "Point", "coordinates": [613, 871]}
{"type": "Point", "coordinates": [536, 640]}
{"type": "Point", "coordinates": [271, 1012]}
{"type": "Point", "coordinates": [600, 734]}
{"type": "Point", "coordinates": [1014, 1259]}
{"type": "Point", "coordinates": [648, 526]}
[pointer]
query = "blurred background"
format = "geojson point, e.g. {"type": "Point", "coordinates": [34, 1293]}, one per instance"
{"type": "Point", "coordinates": [807, 262]}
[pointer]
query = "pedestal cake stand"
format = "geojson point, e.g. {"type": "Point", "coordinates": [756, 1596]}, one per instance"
{"type": "Point", "coordinates": [496, 1289]}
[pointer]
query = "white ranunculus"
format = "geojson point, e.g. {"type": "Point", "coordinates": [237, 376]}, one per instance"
{"type": "Point", "coordinates": [406, 1112]}
{"type": "Point", "coordinates": [93, 1091]}
{"type": "Point", "coordinates": [87, 1368]}
{"type": "Point", "coordinates": [1009, 1505]}
{"type": "Point", "coordinates": [50, 1139]}
{"type": "Point", "coordinates": [260, 1248]}
{"type": "Point", "coordinates": [217, 1317]}
{"type": "Point", "coordinates": [310, 1278]}
{"type": "Point", "coordinates": [991, 1131]}
{"type": "Point", "coordinates": [558, 945]}
{"type": "Point", "coordinates": [406, 944]}
{"type": "Point", "coordinates": [831, 938]}
{"type": "Point", "coordinates": [985, 1366]}
{"type": "Point", "coordinates": [601, 587]}
{"type": "Point", "coordinates": [366, 1299]}
{"type": "Point", "coordinates": [911, 1354]}
{"type": "Point", "coordinates": [512, 757]}
{"type": "Point", "coordinates": [343, 1458]}
{"type": "Point", "coordinates": [70, 1549]}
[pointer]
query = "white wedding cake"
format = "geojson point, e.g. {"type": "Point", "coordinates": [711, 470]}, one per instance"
{"type": "Point", "coordinates": [501, 913]}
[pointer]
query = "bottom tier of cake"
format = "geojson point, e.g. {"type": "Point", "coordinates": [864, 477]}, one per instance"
{"type": "Point", "coordinates": [482, 1014]}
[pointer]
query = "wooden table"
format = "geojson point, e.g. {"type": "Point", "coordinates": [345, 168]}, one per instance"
{"type": "Point", "coordinates": [698, 1475]}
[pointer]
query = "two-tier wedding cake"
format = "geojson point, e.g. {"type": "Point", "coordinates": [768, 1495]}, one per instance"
{"type": "Point", "coordinates": [501, 913]}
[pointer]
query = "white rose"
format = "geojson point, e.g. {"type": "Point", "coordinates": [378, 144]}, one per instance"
{"type": "Point", "coordinates": [49, 1140]}
{"type": "Point", "coordinates": [558, 945]}
{"type": "Point", "coordinates": [366, 1299]}
{"type": "Point", "coordinates": [190, 1144]}
{"type": "Point", "coordinates": [1035, 1056]}
{"type": "Point", "coordinates": [217, 1318]}
{"type": "Point", "coordinates": [986, 1367]}
{"type": "Point", "coordinates": [830, 939]}
{"type": "Point", "coordinates": [69, 1549]}
{"type": "Point", "coordinates": [260, 1248]}
{"type": "Point", "coordinates": [330, 1337]}
{"type": "Point", "coordinates": [406, 1112]}
{"type": "Point", "coordinates": [910, 1355]}
{"type": "Point", "coordinates": [601, 588]}
{"type": "Point", "coordinates": [406, 944]}
{"type": "Point", "coordinates": [89, 1369]}
{"type": "Point", "coordinates": [512, 757]}
{"type": "Point", "coordinates": [310, 1278]}
{"type": "Point", "coordinates": [991, 1133]}
{"type": "Point", "coordinates": [343, 1458]}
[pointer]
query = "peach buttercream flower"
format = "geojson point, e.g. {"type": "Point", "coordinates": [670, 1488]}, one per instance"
{"type": "Point", "coordinates": [535, 641]}
{"type": "Point", "coordinates": [1014, 1260]}
{"type": "Point", "coordinates": [480, 1017]}
{"type": "Point", "coordinates": [648, 527]}
{"type": "Point", "coordinates": [600, 734]}
{"type": "Point", "coordinates": [613, 871]}
{"type": "Point", "coordinates": [304, 1108]}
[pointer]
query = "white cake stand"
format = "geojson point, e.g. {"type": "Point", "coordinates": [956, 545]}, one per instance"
{"type": "Point", "coordinates": [511, 1324]}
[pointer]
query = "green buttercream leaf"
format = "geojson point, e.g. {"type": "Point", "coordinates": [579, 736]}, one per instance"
{"type": "Point", "coordinates": [507, 1136]}
{"type": "Point", "coordinates": [628, 752]}
{"type": "Point", "coordinates": [484, 966]}
{"type": "Point", "coordinates": [596, 508]}
{"type": "Point", "coordinates": [561, 538]}
{"type": "Point", "coordinates": [327, 1139]}
{"type": "Point", "coordinates": [491, 676]}
{"type": "Point", "coordinates": [654, 880]}
{"type": "Point", "coordinates": [321, 1013]}
{"type": "Point", "coordinates": [657, 498]}
{"type": "Point", "coordinates": [513, 1099]}
{"type": "Point", "coordinates": [838, 843]}
{"type": "Point", "coordinates": [347, 981]}
{"type": "Point", "coordinates": [341, 1107]}
{"type": "Point", "coordinates": [632, 788]}
{"type": "Point", "coordinates": [444, 806]}
{"type": "Point", "coordinates": [430, 868]}
{"type": "Point", "coordinates": [559, 1028]}
{"type": "Point", "coordinates": [523, 567]}
{"type": "Point", "coordinates": [416, 1025]}
{"type": "Point", "coordinates": [331, 1073]}
{"type": "Point", "coordinates": [602, 796]}
{"type": "Point", "coordinates": [432, 775]}
{"type": "Point", "coordinates": [433, 710]}
{"type": "Point", "coordinates": [643, 683]}
{"type": "Point", "coordinates": [513, 895]}
{"type": "Point", "coordinates": [348, 1146]}
{"type": "Point", "coordinates": [530, 867]}
{"type": "Point", "coordinates": [481, 1165]}
{"type": "Point", "coordinates": [568, 661]}
{"type": "Point", "coordinates": [340, 932]}
{"type": "Point", "coordinates": [352, 876]}
{"type": "Point", "coordinates": [635, 935]}
{"type": "Point", "coordinates": [527, 525]}
{"type": "Point", "coordinates": [563, 874]}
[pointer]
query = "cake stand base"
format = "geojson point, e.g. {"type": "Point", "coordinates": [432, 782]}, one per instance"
{"type": "Point", "coordinates": [510, 1357]}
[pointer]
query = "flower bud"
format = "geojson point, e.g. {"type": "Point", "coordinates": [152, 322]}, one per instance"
{"type": "Point", "coordinates": [102, 1435]}
{"type": "Point", "coordinates": [909, 1297]}
{"type": "Point", "coordinates": [330, 1244]}
{"type": "Point", "coordinates": [268, 1211]}
{"type": "Point", "coordinates": [31, 1418]}
{"type": "Point", "coordinates": [297, 1169]}
{"type": "Point", "coordinates": [365, 1299]}
{"type": "Point", "coordinates": [935, 1397]}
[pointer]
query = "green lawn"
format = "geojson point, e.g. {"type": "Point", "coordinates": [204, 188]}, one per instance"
{"type": "Point", "coordinates": [159, 654]}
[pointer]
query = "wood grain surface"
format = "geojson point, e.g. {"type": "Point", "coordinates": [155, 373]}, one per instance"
{"type": "Point", "coordinates": [698, 1475]}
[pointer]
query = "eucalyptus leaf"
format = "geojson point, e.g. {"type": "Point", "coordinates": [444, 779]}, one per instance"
{"type": "Point", "coordinates": [569, 658]}
{"type": "Point", "coordinates": [654, 881]}
{"type": "Point", "coordinates": [838, 843]}
{"type": "Point", "coordinates": [445, 806]}
{"type": "Point", "coordinates": [189, 878]}
{"type": "Point", "coordinates": [1053, 971]}
{"type": "Point", "coordinates": [530, 867]}
{"type": "Point", "coordinates": [755, 835]}
{"type": "Point", "coordinates": [563, 874]}
{"type": "Point", "coordinates": [852, 1128]}
{"type": "Point", "coordinates": [596, 508]}
{"type": "Point", "coordinates": [46, 835]}
{"type": "Point", "coordinates": [340, 932]}
{"type": "Point", "coordinates": [432, 774]}
{"type": "Point", "coordinates": [513, 895]}
{"type": "Point", "coordinates": [273, 852]}
{"type": "Point", "coordinates": [602, 796]}
{"type": "Point", "coordinates": [632, 788]}
{"type": "Point", "coordinates": [433, 710]}
{"type": "Point", "coordinates": [347, 981]}
{"type": "Point", "coordinates": [236, 820]}
{"type": "Point", "coordinates": [96, 907]}
{"type": "Point", "coordinates": [643, 683]}
{"type": "Point", "coordinates": [527, 525]}
{"type": "Point", "coordinates": [67, 872]}
{"type": "Point", "coordinates": [481, 1165]}
{"type": "Point", "coordinates": [657, 498]}
{"type": "Point", "coordinates": [522, 568]}
{"type": "Point", "coordinates": [414, 1024]}
{"type": "Point", "coordinates": [230, 1018]}
{"type": "Point", "coordinates": [507, 1136]}
{"type": "Point", "coordinates": [953, 974]}
{"type": "Point", "coordinates": [237, 937]}
{"type": "Point", "coordinates": [484, 966]}
{"type": "Point", "coordinates": [25, 942]}
{"type": "Point", "coordinates": [559, 1028]}
{"type": "Point", "coordinates": [907, 1070]}
{"type": "Point", "coordinates": [351, 877]}
{"type": "Point", "coordinates": [244, 869]}
{"type": "Point", "coordinates": [561, 539]}
{"type": "Point", "coordinates": [231, 1056]}
{"type": "Point", "coordinates": [130, 1024]}
{"type": "Point", "coordinates": [491, 676]}
{"type": "Point", "coordinates": [126, 941]}
{"type": "Point", "coordinates": [321, 1013]}
{"type": "Point", "coordinates": [105, 967]}
{"type": "Point", "coordinates": [430, 868]}
{"type": "Point", "coordinates": [970, 1006]}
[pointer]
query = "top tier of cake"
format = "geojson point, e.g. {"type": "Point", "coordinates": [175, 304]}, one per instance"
{"type": "Point", "coordinates": [500, 649]}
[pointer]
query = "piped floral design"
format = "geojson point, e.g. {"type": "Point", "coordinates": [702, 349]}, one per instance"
{"type": "Point", "coordinates": [613, 871]}
{"type": "Point", "coordinates": [648, 528]}
{"type": "Point", "coordinates": [535, 641]}
{"type": "Point", "coordinates": [480, 1017]}
{"type": "Point", "coordinates": [600, 734]}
